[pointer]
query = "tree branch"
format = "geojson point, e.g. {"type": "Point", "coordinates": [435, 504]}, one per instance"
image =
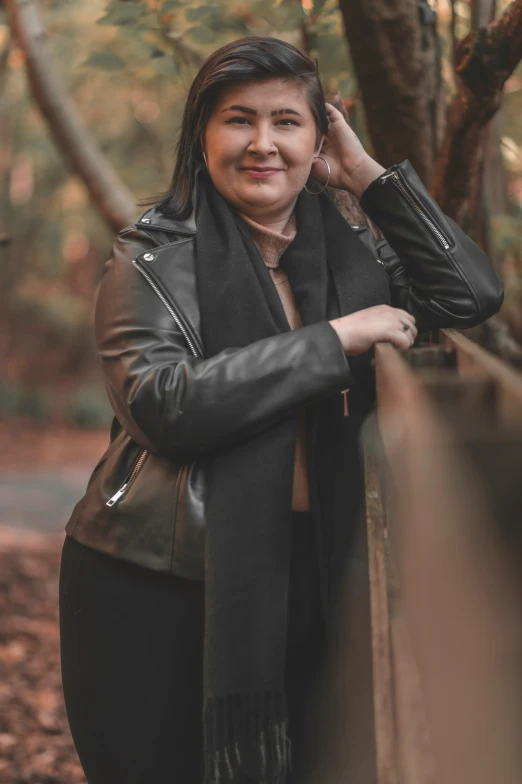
{"type": "Point", "coordinates": [484, 63]}
{"type": "Point", "coordinates": [453, 33]}
{"type": "Point", "coordinates": [110, 195]}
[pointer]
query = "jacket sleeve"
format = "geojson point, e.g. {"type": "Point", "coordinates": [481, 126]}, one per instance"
{"type": "Point", "coordinates": [436, 271]}
{"type": "Point", "coordinates": [182, 406]}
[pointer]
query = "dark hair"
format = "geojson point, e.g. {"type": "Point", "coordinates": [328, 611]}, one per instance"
{"type": "Point", "coordinates": [253, 58]}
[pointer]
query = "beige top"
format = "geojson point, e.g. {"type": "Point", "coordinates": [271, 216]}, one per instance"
{"type": "Point", "coordinates": [272, 244]}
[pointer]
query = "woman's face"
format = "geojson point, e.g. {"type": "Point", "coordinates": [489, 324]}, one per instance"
{"type": "Point", "coordinates": [259, 144]}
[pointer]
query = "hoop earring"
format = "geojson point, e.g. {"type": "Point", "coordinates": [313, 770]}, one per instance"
{"type": "Point", "coordinates": [316, 193]}
{"type": "Point", "coordinates": [205, 159]}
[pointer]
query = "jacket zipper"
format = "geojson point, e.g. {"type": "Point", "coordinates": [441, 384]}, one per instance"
{"type": "Point", "coordinates": [125, 486]}
{"type": "Point", "coordinates": [141, 459]}
{"type": "Point", "coordinates": [417, 208]}
{"type": "Point", "coordinates": [346, 410]}
{"type": "Point", "coordinates": [169, 308]}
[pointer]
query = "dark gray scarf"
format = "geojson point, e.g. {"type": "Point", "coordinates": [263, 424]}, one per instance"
{"type": "Point", "coordinates": [250, 483]}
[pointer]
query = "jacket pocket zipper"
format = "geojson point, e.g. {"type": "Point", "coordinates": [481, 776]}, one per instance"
{"type": "Point", "coordinates": [132, 476]}
{"type": "Point", "coordinates": [417, 208]}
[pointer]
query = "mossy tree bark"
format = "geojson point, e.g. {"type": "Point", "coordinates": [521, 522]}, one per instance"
{"type": "Point", "coordinates": [484, 62]}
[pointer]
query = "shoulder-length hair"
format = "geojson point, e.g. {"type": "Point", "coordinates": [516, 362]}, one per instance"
{"type": "Point", "coordinates": [248, 59]}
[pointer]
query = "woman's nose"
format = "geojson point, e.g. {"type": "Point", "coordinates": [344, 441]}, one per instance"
{"type": "Point", "coordinates": [261, 141]}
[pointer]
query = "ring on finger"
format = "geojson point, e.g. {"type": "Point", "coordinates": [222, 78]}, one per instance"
{"type": "Point", "coordinates": [405, 327]}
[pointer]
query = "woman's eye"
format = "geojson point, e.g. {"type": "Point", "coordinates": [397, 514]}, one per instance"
{"type": "Point", "coordinates": [244, 121]}
{"type": "Point", "coordinates": [237, 120]}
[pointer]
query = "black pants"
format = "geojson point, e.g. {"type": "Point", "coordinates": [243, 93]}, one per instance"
{"type": "Point", "coordinates": [132, 663]}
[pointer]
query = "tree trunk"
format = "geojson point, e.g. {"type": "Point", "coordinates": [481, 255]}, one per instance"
{"type": "Point", "coordinates": [109, 194]}
{"type": "Point", "coordinates": [482, 14]}
{"type": "Point", "coordinates": [7, 266]}
{"type": "Point", "coordinates": [484, 63]}
{"type": "Point", "coordinates": [395, 52]}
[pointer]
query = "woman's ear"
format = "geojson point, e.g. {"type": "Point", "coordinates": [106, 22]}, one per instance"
{"type": "Point", "coordinates": [320, 145]}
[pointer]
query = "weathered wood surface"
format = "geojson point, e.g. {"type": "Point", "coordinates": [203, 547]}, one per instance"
{"type": "Point", "coordinates": [382, 660]}
{"type": "Point", "coordinates": [447, 646]}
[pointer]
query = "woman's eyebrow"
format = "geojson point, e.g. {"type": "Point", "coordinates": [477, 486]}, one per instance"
{"type": "Point", "coordinates": [284, 111]}
{"type": "Point", "coordinates": [237, 108]}
{"type": "Point", "coordinates": [247, 110]}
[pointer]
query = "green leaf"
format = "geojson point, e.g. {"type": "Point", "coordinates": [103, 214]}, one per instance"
{"type": "Point", "coordinates": [210, 15]}
{"type": "Point", "coordinates": [201, 34]}
{"type": "Point", "coordinates": [149, 50]}
{"type": "Point", "coordinates": [332, 53]}
{"type": "Point", "coordinates": [318, 6]}
{"type": "Point", "coordinates": [155, 51]}
{"type": "Point", "coordinates": [170, 5]}
{"type": "Point", "coordinates": [164, 66]}
{"type": "Point", "coordinates": [289, 16]}
{"type": "Point", "coordinates": [195, 14]}
{"type": "Point", "coordinates": [150, 21]}
{"type": "Point", "coordinates": [107, 61]}
{"type": "Point", "coordinates": [266, 11]}
{"type": "Point", "coordinates": [119, 13]}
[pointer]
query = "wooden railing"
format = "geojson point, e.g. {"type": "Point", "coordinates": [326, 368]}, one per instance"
{"type": "Point", "coordinates": [425, 680]}
{"type": "Point", "coordinates": [443, 472]}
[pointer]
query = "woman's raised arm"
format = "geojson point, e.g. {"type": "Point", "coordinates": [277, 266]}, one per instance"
{"type": "Point", "coordinates": [451, 281]}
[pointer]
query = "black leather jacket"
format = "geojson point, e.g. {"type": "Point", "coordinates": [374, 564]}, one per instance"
{"type": "Point", "coordinates": [145, 500]}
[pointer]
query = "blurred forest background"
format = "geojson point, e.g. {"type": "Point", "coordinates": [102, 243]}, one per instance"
{"type": "Point", "coordinates": [111, 80]}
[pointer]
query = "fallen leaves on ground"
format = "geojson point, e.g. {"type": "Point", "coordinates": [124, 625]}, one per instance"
{"type": "Point", "coordinates": [35, 743]}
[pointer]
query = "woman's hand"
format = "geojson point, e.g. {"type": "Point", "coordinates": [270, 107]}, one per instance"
{"type": "Point", "coordinates": [359, 331]}
{"type": "Point", "coordinates": [351, 166]}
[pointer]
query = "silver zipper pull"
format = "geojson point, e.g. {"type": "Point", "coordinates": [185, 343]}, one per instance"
{"type": "Point", "coordinates": [116, 497]}
{"type": "Point", "coordinates": [385, 177]}
{"type": "Point", "coordinates": [346, 410]}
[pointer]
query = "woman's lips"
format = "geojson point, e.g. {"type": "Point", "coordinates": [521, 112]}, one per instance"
{"type": "Point", "coordinates": [261, 174]}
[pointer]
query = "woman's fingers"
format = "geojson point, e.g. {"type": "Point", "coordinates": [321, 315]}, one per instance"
{"type": "Point", "coordinates": [360, 330]}
{"type": "Point", "coordinates": [406, 322]}
{"type": "Point", "coordinates": [401, 339]}
{"type": "Point", "coordinates": [405, 331]}
{"type": "Point", "coordinates": [412, 329]}
{"type": "Point", "coordinates": [331, 111]}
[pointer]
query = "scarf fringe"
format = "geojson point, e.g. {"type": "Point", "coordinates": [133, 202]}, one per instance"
{"type": "Point", "coordinates": [247, 734]}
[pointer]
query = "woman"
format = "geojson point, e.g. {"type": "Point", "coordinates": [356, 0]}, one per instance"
{"type": "Point", "coordinates": [235, 325]}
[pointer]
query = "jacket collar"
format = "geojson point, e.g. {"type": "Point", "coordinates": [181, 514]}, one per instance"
{"type": "Point", "coordinates": [156, 220]}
